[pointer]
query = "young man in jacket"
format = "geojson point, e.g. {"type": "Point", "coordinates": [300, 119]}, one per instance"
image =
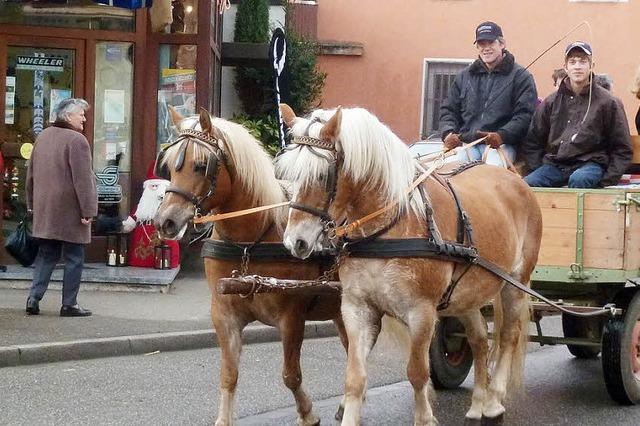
{"type": "Point", "coordinates": [493, 97]}
{"type": "Point", "coordinates": [579, 136]}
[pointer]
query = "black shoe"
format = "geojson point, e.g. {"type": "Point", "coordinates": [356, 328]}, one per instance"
{"type": "Point", "coordinates": [33, 307]}
{"type": "Point", "coordinates": [74, 311]}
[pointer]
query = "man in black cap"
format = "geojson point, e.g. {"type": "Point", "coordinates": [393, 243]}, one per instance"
{"type": "Point", "coordinates": [493, 97]}
{"type": "Point", "coordinates": [579, 135]}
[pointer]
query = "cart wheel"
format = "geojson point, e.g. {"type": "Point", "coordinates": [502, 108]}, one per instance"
{"type": "Point", "coordinates": [621, 355]}
{"type": "Point", "coordinates": [450, 357]}
{"type": "Point", "coordinates": [584, 328]}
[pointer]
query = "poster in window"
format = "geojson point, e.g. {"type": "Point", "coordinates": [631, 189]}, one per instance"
{"type": "Point", "coordinates": [114, 106]}
{"type": "Point", "coordinates": [55, 97]}
{"type": "Point", "coordinates": [9, 100]}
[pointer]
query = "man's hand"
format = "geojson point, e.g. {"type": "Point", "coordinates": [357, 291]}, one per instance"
{"type": "Point", "coordinates": [452, 140]}
{"type": "Point", "coordinates": [494, 140]}
{"type": "Point", "coordinates": [85, 220]}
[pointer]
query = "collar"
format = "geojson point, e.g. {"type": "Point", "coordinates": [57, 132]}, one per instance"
{"type": "Point", "coordinates": [504, 67]}
{"type": "Point", "coordinates": [63, 125]}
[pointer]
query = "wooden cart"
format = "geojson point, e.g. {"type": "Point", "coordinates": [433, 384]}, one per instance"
{"type": "Point", "coordinates": [590, 257]}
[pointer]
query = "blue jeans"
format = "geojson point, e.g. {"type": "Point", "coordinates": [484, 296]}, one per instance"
{"type": "Point", "coordinates": [48, 255]}
{"type": "Point", "coordinates": [475, 153]}
{"type": "Point", "coordinates": [586, 176]}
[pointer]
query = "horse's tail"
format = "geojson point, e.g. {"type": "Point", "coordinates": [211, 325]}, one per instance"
{"type": "Point", "coordinates": [516, 371]}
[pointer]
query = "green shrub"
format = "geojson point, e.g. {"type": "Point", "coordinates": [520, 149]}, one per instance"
{"type": "Point", "coordinates": [253, 85]}
{"type": "Point", "coordinates": [263, 128]}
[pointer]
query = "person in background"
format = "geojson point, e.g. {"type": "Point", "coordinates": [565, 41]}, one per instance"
{"type": "Point", "coordinates": [557, 77]}
{"type": "Point", "coordinates": [493, 97]}
{"type": "Point", "coordinates": [635, 89]}
{"type": "Point", "coordinates": [579, 136]}
{"type": "Point", "coordinates": [61, 193]}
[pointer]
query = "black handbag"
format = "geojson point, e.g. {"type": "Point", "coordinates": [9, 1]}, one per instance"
{"type": "Point", "coordinates": [21, 245]}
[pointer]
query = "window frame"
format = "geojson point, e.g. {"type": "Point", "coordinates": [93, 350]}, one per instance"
{"type": "Point", "coordinates": [426, 65]}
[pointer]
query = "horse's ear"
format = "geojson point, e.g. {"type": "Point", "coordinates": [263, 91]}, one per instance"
{"type": "Point", "coordinates": [205, 121]}
{"type": "Point", "coordinates": [287, 114]}
{"type": "Point", "coordinates": [331, 130]}
{"type": "Point", "coordinates": [176, 117]}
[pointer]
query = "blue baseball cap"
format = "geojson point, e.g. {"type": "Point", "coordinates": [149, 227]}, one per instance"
{"type": "Point", "coordinates": [488, 31]}
{"type": "Point", "coordinates": [578, 45]}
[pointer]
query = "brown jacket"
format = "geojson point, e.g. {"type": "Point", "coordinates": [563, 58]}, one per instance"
{"type": "Point", "coordinates": [558, 136]}
{"type": "Point", "coordinates": [61, 186]}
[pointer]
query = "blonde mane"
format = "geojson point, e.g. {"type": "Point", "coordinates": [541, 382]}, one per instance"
{"type": "Point", "coordinates": [373, 156]}
{"type": "Point", "coordinates": [251, 167]}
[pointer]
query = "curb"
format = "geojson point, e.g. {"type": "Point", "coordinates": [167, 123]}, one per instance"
{"type": "Point", "coordinates": [39, 353]}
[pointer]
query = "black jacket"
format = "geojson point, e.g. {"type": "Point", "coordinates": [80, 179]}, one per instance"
{"type": "Point", "coordinates": [502, 101]}
{"type": "Point", "coordinates": [559, 136]}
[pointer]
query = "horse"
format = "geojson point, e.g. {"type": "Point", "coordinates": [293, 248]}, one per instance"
{"type": "Point", "coordinates": [220, 167]}
{"type": "Point", "coordinates": [347, 166]}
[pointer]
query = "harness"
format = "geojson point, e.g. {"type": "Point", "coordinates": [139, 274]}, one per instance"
{"type": "Point", "coordinates": [214, 161]}
{"type": "Point", "coordinates": [432, 246]}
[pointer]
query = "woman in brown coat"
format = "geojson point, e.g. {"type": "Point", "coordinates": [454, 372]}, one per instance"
{"type": "Point", "coordinates": [61, 192]}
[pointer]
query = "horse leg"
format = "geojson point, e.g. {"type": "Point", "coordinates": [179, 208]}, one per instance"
{"type": "Point", "coordinates": [342, 332]}
{"type": "Point", "coordinates": [476, 331]}
{"type": "Point", "coordinates": [511, 327]}
{"type": "Point", "coordinates": [421, 322]}
{"type": "Point", "coordinates": [362, 323]}
{"type": "Point", "coordinates": [292, 332]}
{"type": "Point", "coordinates": [229, 333]}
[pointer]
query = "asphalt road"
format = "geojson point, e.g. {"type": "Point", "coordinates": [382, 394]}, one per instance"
{"type": "Point", "coordinates": [180, 388]}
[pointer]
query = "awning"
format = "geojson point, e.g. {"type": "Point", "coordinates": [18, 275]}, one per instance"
{"type": "Point", "coordinates": [127, 4]}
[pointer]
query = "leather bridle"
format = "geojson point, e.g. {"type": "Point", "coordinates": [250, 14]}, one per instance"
{"type": "Point", "coordinates": [214, 161]}
{"type": "Point", "coordinates": [324, 149]}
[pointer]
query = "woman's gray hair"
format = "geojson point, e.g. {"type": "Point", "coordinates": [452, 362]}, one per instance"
{"type": "Point", "coordinates": [68, 106]}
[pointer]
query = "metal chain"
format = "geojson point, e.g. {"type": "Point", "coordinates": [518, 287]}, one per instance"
{"type": "Point", "coordinates": [273, 283]}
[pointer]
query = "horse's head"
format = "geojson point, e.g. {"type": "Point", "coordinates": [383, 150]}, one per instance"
{"type": "Point", "coordinates": [344, 164]}
{"type": "Point", "coordinates": [195, 165]}
{"type": "Point", "coordinates": [312, 163]}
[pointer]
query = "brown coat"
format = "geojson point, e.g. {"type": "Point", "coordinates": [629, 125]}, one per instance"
{"type": "Point", "coordinates": [560, 134]}
{"type": "Point", "coordinates": [61, 186]}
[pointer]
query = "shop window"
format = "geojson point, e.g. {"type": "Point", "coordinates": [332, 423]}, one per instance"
{"type": "Point", "coordinates": [37, 79]}
{"type": "Point", "coordinates": [113, 122]}
{"type": "Point", "coordinates": [70, 14]}
{"type": "Point", "coordinates": [438, 77]}
{"type": "Point", "coordinates": [176, 16]}
{"type": "Point", "coordinates": [176, 87]}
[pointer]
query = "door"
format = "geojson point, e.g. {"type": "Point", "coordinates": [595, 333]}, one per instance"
{"type": "Point", "coordinates": [38, 73]}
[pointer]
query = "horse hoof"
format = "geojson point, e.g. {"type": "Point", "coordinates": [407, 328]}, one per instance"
{"type": "Point", "coordinates": [472, 422]}
{"type": "Point", "coordinates": [339, 413]}
{"type": "Point", "coordinates": [492, 421]}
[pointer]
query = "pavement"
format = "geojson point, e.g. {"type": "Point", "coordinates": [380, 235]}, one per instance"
{"type": "Point", "coordinates": [123, 322]}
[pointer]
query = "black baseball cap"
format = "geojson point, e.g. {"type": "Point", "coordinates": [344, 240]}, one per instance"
{"type": "Point", "coordinates": [578, 45]}
{"type": "Point", "coordinates": [488, 31]}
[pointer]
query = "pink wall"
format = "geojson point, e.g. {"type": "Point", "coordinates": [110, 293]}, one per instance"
{"type": "Point", "coordinates": [398, 35]}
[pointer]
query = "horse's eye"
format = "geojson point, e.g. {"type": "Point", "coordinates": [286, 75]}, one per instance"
{"type": "Point", "coordinates": [200, 167]}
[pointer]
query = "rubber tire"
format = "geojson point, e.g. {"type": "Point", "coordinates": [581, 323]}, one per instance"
{"type": "Point", "coordinates": [444, 373]}
{"type": "Point", "coordinates": [622, 385]}
{"type": "Point", "coordinates": [576, 327]}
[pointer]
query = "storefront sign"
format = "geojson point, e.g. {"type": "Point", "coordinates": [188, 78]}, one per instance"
{"type": "Point", "coordinates": [40, 63]}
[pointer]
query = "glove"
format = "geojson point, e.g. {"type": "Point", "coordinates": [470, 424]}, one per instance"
{"type": "Point", "coordinates": [451, 141]}
{"type": "Point", "coordinates": [494, 140]}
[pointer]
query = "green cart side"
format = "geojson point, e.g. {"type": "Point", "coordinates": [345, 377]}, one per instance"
{"type": "Point", "coordinates": [589, 258]}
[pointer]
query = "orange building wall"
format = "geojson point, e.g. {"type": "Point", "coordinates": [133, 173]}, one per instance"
{"type": "Point", "coordinates": [399, 35]}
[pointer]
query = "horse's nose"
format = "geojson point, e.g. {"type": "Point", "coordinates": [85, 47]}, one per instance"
{"type": "Point", "coordinates": [301, 246]}
{"type": "Point", "coordinates": [169, 228]}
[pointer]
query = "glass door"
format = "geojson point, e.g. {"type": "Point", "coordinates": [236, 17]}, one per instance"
{"type": "Point", "coordinates": [38, 74]}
